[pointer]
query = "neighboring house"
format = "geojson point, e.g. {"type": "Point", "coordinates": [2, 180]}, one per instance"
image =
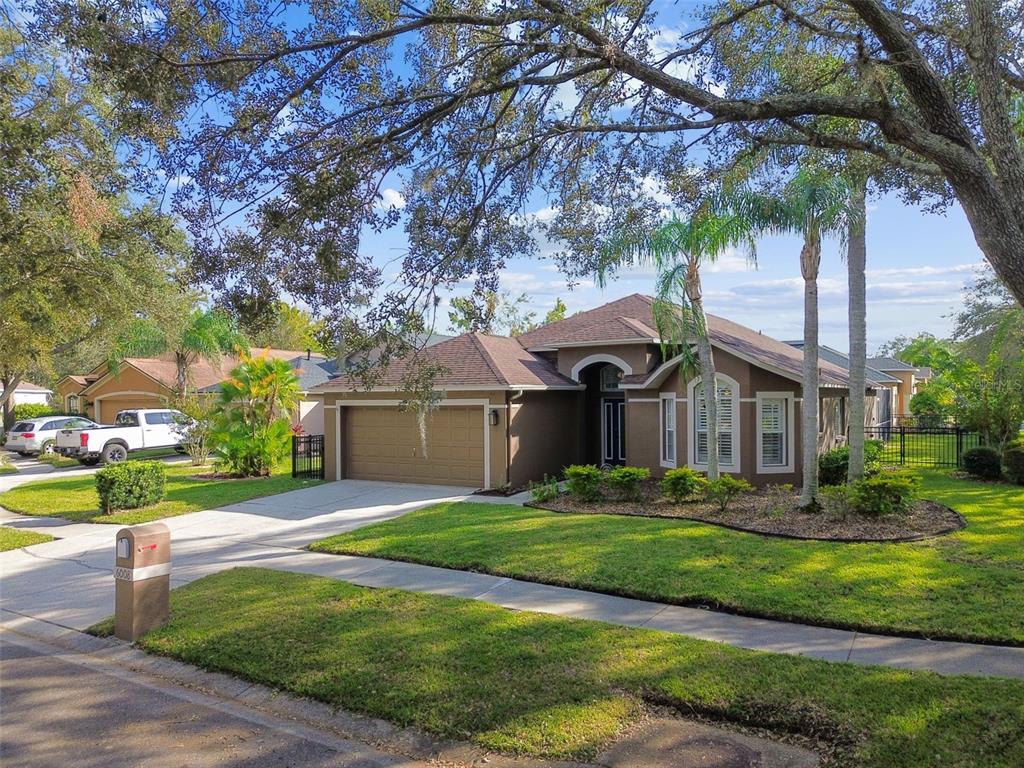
{"type": "Point", "coordinates": [882, 387]}
{"type": "Point", "coordinates": [150, 383]}
{"type": "Point", "coordinates": [911, 379]}
{"type": "Point", "coordinates": [593, 388]}
{"type": "Point", "coordinates": [28, 393]}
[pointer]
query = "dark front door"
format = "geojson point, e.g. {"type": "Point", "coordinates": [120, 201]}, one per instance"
{"type": "Point", "coordinates": [613, 431]}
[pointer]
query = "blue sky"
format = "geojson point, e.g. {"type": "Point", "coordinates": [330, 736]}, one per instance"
{"type": "Point", "coordinates": [918, 263]}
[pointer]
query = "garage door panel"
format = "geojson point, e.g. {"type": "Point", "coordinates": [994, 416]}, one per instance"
{"type": "Point", "coordinates": [383, 443]}
{"type": "Point", "coordinates": [109, 408]}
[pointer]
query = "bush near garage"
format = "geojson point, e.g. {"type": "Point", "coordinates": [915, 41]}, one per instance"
{"type": "Point", "coordinates": [983, 461]}
{"type": "Point", "coordinates": [130, 485]}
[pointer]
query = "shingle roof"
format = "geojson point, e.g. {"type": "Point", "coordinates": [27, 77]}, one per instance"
{"type": "Point", "coordinates": [631, 318]}
{"type": "Point", "coordinates": [472, 359]}
{"type": "Point", "coordinates": [203, 374]}
{"type": "Point", "coordinates": [626, 319]}
{"type": "Point", "coordinates": [28, 386]}
{"type": "Point", "coordinates": [843, 361]}
{"type": "Point", "coordinates": [888, 364]}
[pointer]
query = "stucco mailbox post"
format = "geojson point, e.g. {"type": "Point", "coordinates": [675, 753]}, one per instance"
{"type": "Point", "coordinates": [142, 580]}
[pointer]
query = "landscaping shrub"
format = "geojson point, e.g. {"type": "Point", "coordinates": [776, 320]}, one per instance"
{"type": "Point", "coordinates": [836, 500]}
{"type": "Point", "coordinates": [130, 484]}
{"type": "Point", "coordinates": [983, 462]}
{"type": "Point", "coordinates": [725, 490]}
{"type": "Point", "coordinates": [780, 498]}
{"type": "Point", "coordinates": [626, 481]}
{"type": "Point", "coordinates": [891, 493]}
{"type": "Point", "coordinates": [683, 483]}
{"type": "Point", "coordinates": [1013, 459]}
{"type": "Point", "coordinates": [584, 481]}
{"type": "Point", "coordinates": [834, 465]}
{"type": "Point", "coordinates": [27, 411]}
{"type": "Point", "coordinates": [251, 430]}
{"type": "Point", "coordinates": [545, 490]}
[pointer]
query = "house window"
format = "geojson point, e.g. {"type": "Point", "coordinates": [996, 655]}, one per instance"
{"type": "Point", "coordinates": [610, 378]}
{"type": "Point", "coordinates": [73, 403]}
{"type": "Point", "coordinates": [728, 426]}
{"type": "Point", "coordinates": [668, 430]}
{"type": "Point", "coordinates": [773, 432]}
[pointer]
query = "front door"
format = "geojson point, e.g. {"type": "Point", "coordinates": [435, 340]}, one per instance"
{"type": "Point", "coordinates": [613, 431]}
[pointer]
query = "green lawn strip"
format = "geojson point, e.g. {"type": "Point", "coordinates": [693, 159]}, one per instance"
{"type": "Point", "coordinates": [75, 498]}
{"type": "Point", "coordinates": [12, 538]}
{"type": "Point", "coordinates": [528, 683]}
{"type": "Point", "coordinates": [58, 461]}
{"type": "Point", "coordinates": [969, 585]}
{"type": "Point", "coordinates": [8, 469]}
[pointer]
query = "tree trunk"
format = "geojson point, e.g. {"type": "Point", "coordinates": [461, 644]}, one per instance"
{"type": "Point", "coordinates": [9, 382]}
{"type": "Point", "coordinates": [694, 294]}
{"type": "Point", "coordinates": [810, 261]}
{"type": "Point", "coordinates": [856, 264]}
{"type": "Point", "coordinates": [181, 365]}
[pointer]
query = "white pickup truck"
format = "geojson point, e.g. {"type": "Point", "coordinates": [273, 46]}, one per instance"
{"type": "Point", "coordinates": [131, 431]}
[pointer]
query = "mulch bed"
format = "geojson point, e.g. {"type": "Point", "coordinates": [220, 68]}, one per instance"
{"type": "Point", "coordinates": [776, 513]}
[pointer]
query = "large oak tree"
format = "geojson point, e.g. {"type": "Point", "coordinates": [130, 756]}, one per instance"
{"type": "Point", "coordinates": [287, 120]}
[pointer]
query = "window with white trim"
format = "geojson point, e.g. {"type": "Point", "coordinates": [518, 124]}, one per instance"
{"type": "Point", "coordinates": [727, 400]}
{"type": "Point", "coordinates": [610, 376]}
{"type": "Point", "coordinates": [73, 403]}
{"type": "Point", "coordinates": [668, 430]}
{"type": "Point", "coordinates": [774, 440]}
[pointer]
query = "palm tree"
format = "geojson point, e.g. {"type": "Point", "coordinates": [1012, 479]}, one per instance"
{"type": "Point", "coordinates": [812, 205]}
{"type": "Point", "coordinates": [676, 250]}
{"type": "Point", "coordinates": [856, 264]}
{"type": "Point", "coordinates": [203, 335]}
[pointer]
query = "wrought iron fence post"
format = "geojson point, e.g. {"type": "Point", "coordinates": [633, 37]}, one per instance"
{"type": "Point", "coordinates": [959, 443]}
{"type": "Point", "coordinates": [295, 442]}
{"type": "Point", "coordinates": [903, 444]}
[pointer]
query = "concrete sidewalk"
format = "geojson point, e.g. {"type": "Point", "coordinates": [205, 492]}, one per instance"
{"type": "Point", "coordinates": [69, 582]}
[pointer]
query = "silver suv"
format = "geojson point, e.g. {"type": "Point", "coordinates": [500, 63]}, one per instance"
{"type": "Point", "coordinates": [39, 435]}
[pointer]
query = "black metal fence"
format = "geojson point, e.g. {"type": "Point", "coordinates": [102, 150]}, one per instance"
{"type": "Point", "coordinates": [923, 446]}
{"type": "Point", "coordinates": [308, 456]}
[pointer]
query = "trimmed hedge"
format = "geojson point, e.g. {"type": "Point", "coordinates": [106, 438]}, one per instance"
{"type": "Point", "coordinates": [983, 461]}
{"type": "Point", "coordinates": [891, 493]}
{"type": "Point", "coordinates": [625, 481]}
{"type": "Point", "coordinates": [834, 465]}
{"type": "Point", "coordinates": [130, 485]}
{"type": "Point", "coordinates": [584, 481]}
{"type": "Point", "coordinates": [683, 483]}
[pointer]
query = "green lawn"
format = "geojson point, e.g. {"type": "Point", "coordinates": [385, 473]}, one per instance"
{"type": "Point", "coordinates": [923, 450]}
{"type": "Point", "coordinates": [528, 683]}
{"type": "Point", "coordinates": [75, 498]}
{"type": "Point", "coordinates": [967, 585]}
{"type": "Point", "coordinates": [8, 469]}
{"type": "Point", "coordinates": [12, 538]}
{"type": "Point", "coordinates": [58, 461]}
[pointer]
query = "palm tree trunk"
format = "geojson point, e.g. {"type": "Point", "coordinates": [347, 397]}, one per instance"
{"type": "Point", "coordinates": [810, 261]}
{"type": "Point", "coordinates": [856, 263]}
{"type": "Point", "coordinates": [694, 294]}
{"type": "Point", "coordinates": [181, 364]}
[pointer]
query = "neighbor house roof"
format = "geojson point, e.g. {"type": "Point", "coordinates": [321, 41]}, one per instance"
{"type": "Point", "coordinates": [472, 360]}
{"type": "Point", "coordinates": [204, 375]}
{"type": "Point", "coordinates": [28, 386]}
{"type": "Point", "coordinates": [888, 364]}
{"type": "Point", "coordinates": [923, 373]}
{"type": "Point", "coordinates": [843, 361]}
{"type": "Point", "coordinates": [312, 370]}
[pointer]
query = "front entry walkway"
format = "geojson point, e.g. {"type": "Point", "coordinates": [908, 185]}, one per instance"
{"type": "Point", "coordinates": [69, 582]}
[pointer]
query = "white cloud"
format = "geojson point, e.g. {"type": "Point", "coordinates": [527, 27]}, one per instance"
{"type": "Point", "coordinates": [729, 262]}
{"type": "Point", "coordinates": [954, 269]}
{"type": "Point", "coordinates": [392, 198]}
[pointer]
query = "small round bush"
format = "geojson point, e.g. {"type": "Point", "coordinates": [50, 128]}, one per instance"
{"type": "Point", "coordinates": [584, 481]}
{"type": "Point", "coordinates": [683, 483]}
{"type": "Point", "coordinates": [833, 466]}
{"type": "Point", "coordinates": [891, 493]}
{"type": "Point", "coordinates": [131, 484]}
{"type": "Point", "coordinates": [726, 489]}
{"type": "Point", "coordinates": [1013, 459]}
{"type": "Point", "coordinates": [983, 461]}
{"type": "Point", "coordinates": [626, 481]}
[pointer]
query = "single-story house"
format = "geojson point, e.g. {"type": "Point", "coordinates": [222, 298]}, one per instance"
{"type": "Point", "coordinates": [28, 393]}
{"type": "Point", "coordinates": [150, 382]}
{"type": "Point", "coordinates": [911, 379]}
{"type": "Point", "coordinates": [596, 388]}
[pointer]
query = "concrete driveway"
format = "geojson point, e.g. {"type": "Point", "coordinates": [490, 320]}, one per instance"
{"type": "Point", "coordinates": [69, 581]}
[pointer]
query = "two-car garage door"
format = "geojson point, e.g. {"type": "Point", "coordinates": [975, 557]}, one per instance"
{"type": "Point", "coordinates": [384, 443]}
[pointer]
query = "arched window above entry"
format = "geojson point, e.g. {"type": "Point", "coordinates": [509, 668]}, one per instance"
{"type": "Point", "coordinates": [589, 360]}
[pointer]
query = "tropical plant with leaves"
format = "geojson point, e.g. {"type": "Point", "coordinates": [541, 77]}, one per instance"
{"type": "Point", "coordinates": [199, 334]}
{"type": "Point", "coordinates": [813, 205]}
{"type": "Point", "coordinates": [677, 250]}
{"type": "Point", "coordinates": [251, 425]}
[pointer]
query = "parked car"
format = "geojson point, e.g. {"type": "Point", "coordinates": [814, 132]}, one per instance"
{"type": "Point", "coordinates": [132, 430]}
{"type": "Point", "coordinates": [39, 435]}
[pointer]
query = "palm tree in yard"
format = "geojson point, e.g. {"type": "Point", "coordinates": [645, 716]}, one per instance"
{"type": "Point", "coordinates": [856, 264]}
{"type": "Point", "coordinates": [677, 249]}
{"type": "Point", "coordinates": [200, 335]}
{"type": "Point", "coordinates": [812, 205]}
